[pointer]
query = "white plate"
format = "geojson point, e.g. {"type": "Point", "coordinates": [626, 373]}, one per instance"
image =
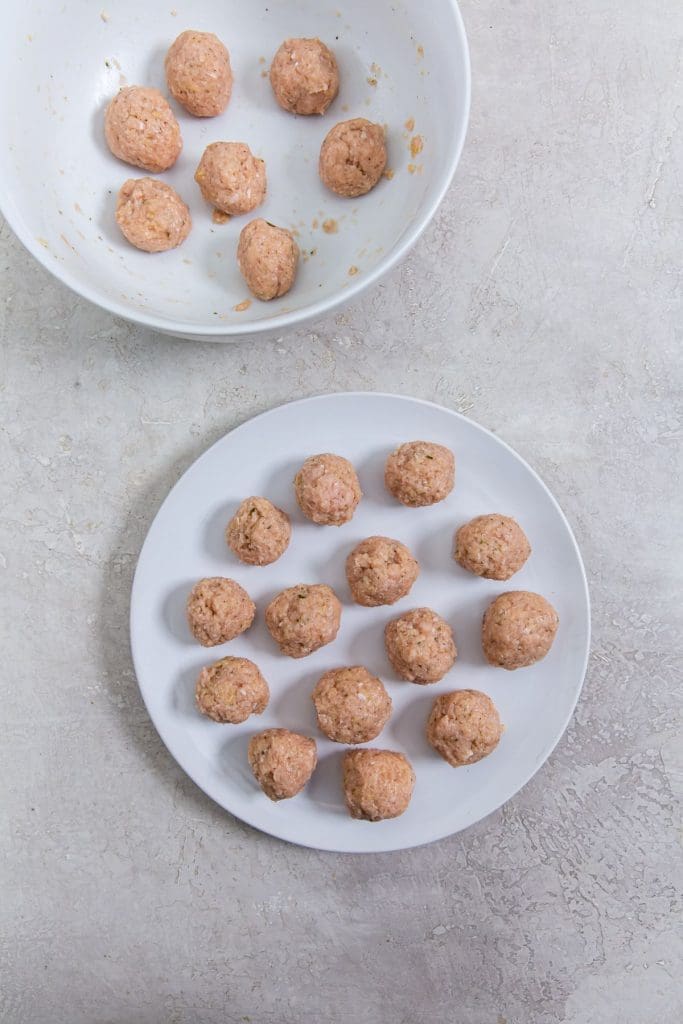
{"type": "Point", "coordinates": [60, 64]}
{"type": "Point", "coordinates": [186, 542]}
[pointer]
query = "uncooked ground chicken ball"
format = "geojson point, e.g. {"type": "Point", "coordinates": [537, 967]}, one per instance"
{"type": "Point", "coordinates": [327, 489]}
{"type": "Point", "coordinates": [218, 610]}
{"type": "Point", "coordinates": [141, 129]}
{"type": "Point", "coordinates": [282, 762]}
{"type": "Point", "coordinates": [259, 532]}
{"type": "Point", "coordinates": [231, 690]}
{"type": "Point", "coordinates": [353, 157]}
{"type": "Point", "coordinates": [380, 571]}
{"type": "Point", "coordinates": [231, 178]}
{"type": "Point", "coordinates": [420, 473]}
{"type": "Point", "coordinates": [198, 73]}
{"type": "Point", "coordinates": [304, 76]}
{"type": "Point", "coordinates": [268, 258]}
{"type": "Point", "coordinates": [518, 629]}
{"type": "Point", "coordinates": [464, 726]}
{"type": "Point", "coordinates": [378, 784]}
{"type": "Point", "coordinates": [304, 618]}
{"type": "Point", "coordinates": [420, 646]}
{"type": "Point", "coordinates": [492, 546]}
{"type": "Point", "coordinates": [151, 215]}
{"type": "Point", "coordinates": [351, 705]}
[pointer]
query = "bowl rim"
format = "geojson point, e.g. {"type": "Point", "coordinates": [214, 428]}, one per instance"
{"type": "Point", "coordinates": [284, 320]}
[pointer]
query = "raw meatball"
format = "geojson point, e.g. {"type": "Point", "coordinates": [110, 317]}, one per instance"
{"type": "Point", "coordinates": [518, 630]}
{"type": "Point", "coordinates": [198, 73]}
{"type": "Point", "coordinates": [492, 546]}
{"type": "Point", "coordinates": [351, 704]}
{"type": "Point", "coordinates": [231, 690]}
{"type": "Point", "coordinates": [151, 215]}
{"type": "Point", "coordinates": [353, 157]}
{"type": "Point", "coordinates": [464, 726]}
{"type": "Point", "coordinates": [304, 76]}
{"type": "Point", "coordinates": [141, 129]}
{"type": "Point", "coordinates": [231, 178]}
{"type": "Point", "coordinates": [282, 762]}
{"type": "Point", "coordinates": [380, 571]}
{"type": "Point", "coordinates": [420, 473]}
{"type": "Point", "coordinates": [420, 646]}
{"type": "Point", "coordinates": [327, 489]}
{"type": "Point", "coordinates": [268, 257]}
{"type": "Point", "coordinates": [258, 532]}
{"type": "Point", "coordinates": [218, 610]}
{"type": "Point", "coordinates": [304, 618]}
{"type": "Point", "coordinates": [378, 784]}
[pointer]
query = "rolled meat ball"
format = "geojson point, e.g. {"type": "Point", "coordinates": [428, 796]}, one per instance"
{"type": "Point", "coordinates": [464, 726]}
{"type": "Point", "coordinates": [352, 705]}
{"type": "Point", "coordinates": [282, 762]}
{"type": "Point", "coordinates": [198, 73]}
{"type": "Point", "coordinates": [141, 129]}
{"type": "Point", "coordinates": [151, 215]}
{"type": "Point", "coordinates": [304, 76]}
{"type": "Point", "coordinates": [353, 157]}
{"type": "Point", "coordinates": [304, 618]}
{"type": "Point", "coordinates": [231, 178]}
{"type": "Point", "coordinates": [518, 629]}
{"type": "Point", "coordinates": [378, 784]}
{"type": "Point", "coordinates": [259, 532]}
{"type": "Point", "coordinates": [380, 571]}
{"type": "Point", "coordinates": [268, 258]}
{"type": "Point", "coordinates": [327, 489]}
{"type": "Point", "coordinates": [420, 473]}
{"type": "Point", "coordinates": [218, 610]}
{"type": "Point", "coordinates": [231, 690]}
{"type": "Point", "coordinates": [420, 646]}
{"type": "Point", "coordinates": [492, 546]}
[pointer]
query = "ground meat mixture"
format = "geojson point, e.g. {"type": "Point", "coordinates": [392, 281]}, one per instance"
{"type": "Point", "coordinates": [198, 73]}
{"type": "Point", "coordinates": [151, 215]}
{"type": "Point", "coordinates": [303, 619]}
{"type": "Point", "coordinates": [231, 690]}
{"type": "Point", "coordinates": [327, 489]}
{"type": "Point", "coordinates": [282, 762]}
{"type": "Point", "coordinates": [231, 178]}
{"type": "Point", "coordinates": [353, 157]}
{"type": "Point", "coordinates": [378, 784]}
{"type": "Point", "coordinates": [420, 646]}
{"type": "Point", "coordinates": [141, 129]}
{"type": "Point", "coordinates": [464, 726]}
{"type": "Point", "coordinates": [259, 532]}
{"type": "Point", "coordinates": [304, 76]}
{"type": "Point", "coordinates": [380, 571]}
{"type": "Point", "coordinates": [268, 258]}
{"type": "Point", "coordinates": [218, 610]}
{"type": "Point", "coordinates": [492, 546]}
{"type": "Point", "coordinates": [518, 629]}
{"type": "Point", "coordinates": [420, 473]}
{"type": "Point", "coordinates": [352, 705]}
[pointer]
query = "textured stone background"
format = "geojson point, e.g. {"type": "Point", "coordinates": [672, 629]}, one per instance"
{"type": "Point", "coordinates": [545, 302]}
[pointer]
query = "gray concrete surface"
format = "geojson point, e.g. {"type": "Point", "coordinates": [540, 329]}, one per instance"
{"type": "Point", "coordinates": [544, 302]}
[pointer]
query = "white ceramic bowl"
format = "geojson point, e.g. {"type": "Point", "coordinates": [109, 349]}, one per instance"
{"type": "Point", "coordinates": [60, 63]}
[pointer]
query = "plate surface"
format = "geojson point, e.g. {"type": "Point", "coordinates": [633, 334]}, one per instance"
{"type": "Point", "coordinates": [186, 542]}
{"type": "Point", "coordinates": [400, 60]}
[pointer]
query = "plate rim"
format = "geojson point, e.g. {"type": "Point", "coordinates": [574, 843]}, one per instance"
{"type": "Point", "coordinates": [207, 788]}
